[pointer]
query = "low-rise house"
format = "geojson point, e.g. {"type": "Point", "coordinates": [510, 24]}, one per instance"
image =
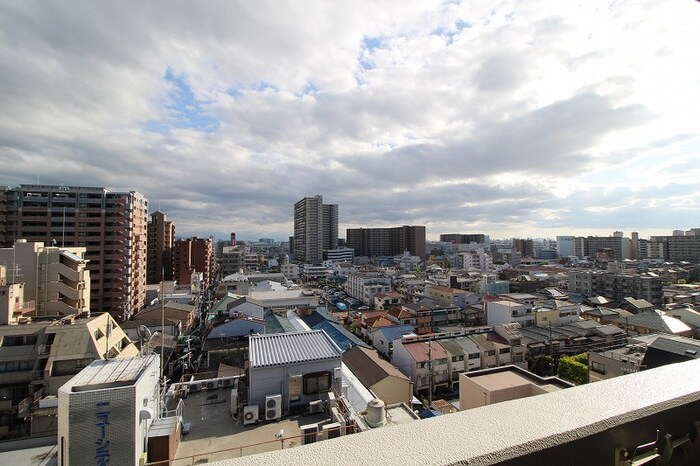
{"type": "Point", "coordinates": [383, 339]}
{"type": "Point", "coordinates": [641, 353]}
{"type": "Point", "coordinates": [295, 368]}
{"type": "Point", "coordinates": [513, 337]}
{"type": "Point", "coordinates": [507, 311]}
{"type": "Point", "coordinates": [384, 301]}
{"type": "Point", "coordinates": [653, 322]}
{"type": "Point", "coordinates": [457, 360]}
{"type": "Point", "coordinates": [447, 296]}
{"type": "Point", "coordinates": [686, 314]}
{"type": "Point", "coordinates": [425, 362]}
{"type": "Point", "coordinates": [183, 313]}
{"type": "Point", "coordinates": [604, 315]}
{"type": "Point", "coordinates": [384, 380]}
{"type": "Point", "coordinates": [401, 316]}
{"type": "Point", "coordinates": [472, 353]}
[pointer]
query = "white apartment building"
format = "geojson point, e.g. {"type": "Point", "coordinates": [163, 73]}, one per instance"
{"type": "Point", "coordinates": [56, 278]}
{"type": "Point", "coordinates": [364, 286]}
{"type": "Point", "coordinates": [506, 312]}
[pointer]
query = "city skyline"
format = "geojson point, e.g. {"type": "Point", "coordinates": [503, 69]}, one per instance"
{"type": "Point", "coordinates": [509, 120]}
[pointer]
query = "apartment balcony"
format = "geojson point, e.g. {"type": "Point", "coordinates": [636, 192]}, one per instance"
{"type": "Point", "coordinates": [650, 417]}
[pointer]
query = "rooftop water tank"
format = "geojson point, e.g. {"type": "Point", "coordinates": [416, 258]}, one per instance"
{"type": "Point", "coordinates": [376, 413]}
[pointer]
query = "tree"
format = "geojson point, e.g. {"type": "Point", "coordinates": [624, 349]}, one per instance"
{"type": "Point", "coordinates": [574, 368]}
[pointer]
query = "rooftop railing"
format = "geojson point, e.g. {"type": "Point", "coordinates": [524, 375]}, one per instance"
{"type": "Point", "coordinates": [651, 415]}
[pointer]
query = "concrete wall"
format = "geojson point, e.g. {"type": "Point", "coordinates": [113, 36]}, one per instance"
{"type": "Point", "coordinates": [274, 380]}
{"type": "Point", "coordinates": [393, 390]}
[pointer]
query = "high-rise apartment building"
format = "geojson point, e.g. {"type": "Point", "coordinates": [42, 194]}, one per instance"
{"type": "Point", "coordinates": [565, 246]}
{"type": "Point", "coordinates": [614, 247]}
{"type": "Point", "coordinates": [193, 255]}
{"type": "Point", "coordinates": [677, 248]}
{"type": "Point", "coordinates": [524, 246]}
{"type": "Point", "coordinates": [616, 286]}
{"type": "Point", "coordinates": [110, 225]}
{"type": "Point", "coordinates": [373, 242]}
{"type": "Point", "coordinates": [315, 229]}
{"type": "Point", "coordinates": [458, 238]}
{"type": "Point", "coordinates": [161, 237]}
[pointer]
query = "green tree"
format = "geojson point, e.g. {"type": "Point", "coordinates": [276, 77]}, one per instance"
{"type": "Point", "coordinates": [574, 368]}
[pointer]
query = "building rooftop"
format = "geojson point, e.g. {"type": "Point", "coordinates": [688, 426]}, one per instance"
{"type": "Point", "coordinates": [109, 373]}
{"type": "Point", "coordinates": [395, 332]}
{"type": "Point", "coordinates": [508, 376]}
{"type": "Point", "coordinates": [290, 348]}
{"type": "Point", "coordinates": [424, 350]}
{"type": "Point", "coordinates": [369, 367]}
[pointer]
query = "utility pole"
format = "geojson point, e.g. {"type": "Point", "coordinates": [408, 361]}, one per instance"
{"type": "Point", "coordinates": [430, 373]}
{"type": "Point", "coordinates": [551, 349]}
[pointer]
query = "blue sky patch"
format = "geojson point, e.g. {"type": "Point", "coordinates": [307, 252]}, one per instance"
{"type": "Point", "coordinates": [183, 109]}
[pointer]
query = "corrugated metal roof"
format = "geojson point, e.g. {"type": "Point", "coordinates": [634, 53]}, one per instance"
{"type": "Point", "coordinates": [289, 348]}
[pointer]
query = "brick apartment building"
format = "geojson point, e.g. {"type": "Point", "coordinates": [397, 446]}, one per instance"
{"type": "Point", "coordinates": [110, 225]}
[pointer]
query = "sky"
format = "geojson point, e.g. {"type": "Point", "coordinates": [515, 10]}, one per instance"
{"type": "Point", "coordinates": [513, 119]}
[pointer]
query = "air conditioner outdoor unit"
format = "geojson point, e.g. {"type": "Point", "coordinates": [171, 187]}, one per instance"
{"type": "Point", "coordinates": [332, 402]}
{"type": "Point", "coordinates": [250, 415]}
{"type": "Point", "coordinates": [211, 385]}
{"type": "Point", "coordinates": [331, 430]}
{"type": "Point", "coordinates": [338, 417]}
{"type": "Point", "coordinates": [309, 433]}
{"type": "Point", "coordinates": [316, 406]}
{"type": "Point", "coordinates": [195, 387]}
{"type": "Point", "coordinates": [273, 407]}
{"type": "Point", "coordinates": [227, 382]}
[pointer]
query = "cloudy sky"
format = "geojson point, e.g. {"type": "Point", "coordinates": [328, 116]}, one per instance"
{"type": "Point", "coordinates": [506, 118]}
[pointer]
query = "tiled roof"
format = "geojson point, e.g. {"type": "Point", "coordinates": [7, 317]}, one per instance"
{"type": "Point", "coordinates": [369, 367]}
{"type": "Point", "coordinates": [423, 350]}
{"type": "Point", "coordinates": [290, 348]}
{"type": "Point", "coordinates": [654, 321]}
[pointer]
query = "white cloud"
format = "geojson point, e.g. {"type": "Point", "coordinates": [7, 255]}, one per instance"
{"type": "Point", "coordinates": [510, 118]}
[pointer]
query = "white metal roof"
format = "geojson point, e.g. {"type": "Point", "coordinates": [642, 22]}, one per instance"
{"type": "Point", "coordinates": [104, 373]}
{"type": "Point", "coordinates": [289, 348]}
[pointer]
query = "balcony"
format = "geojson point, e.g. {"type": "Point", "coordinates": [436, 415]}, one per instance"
{"type": "Point", "coordinates": [599, 424]}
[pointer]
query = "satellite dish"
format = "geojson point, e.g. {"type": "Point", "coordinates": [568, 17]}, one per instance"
{"type": "Point", "coordinates": [144, 334]}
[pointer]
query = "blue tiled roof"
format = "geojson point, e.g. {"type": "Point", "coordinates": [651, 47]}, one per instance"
{"type": "Point", "coordinates": [396, 331]}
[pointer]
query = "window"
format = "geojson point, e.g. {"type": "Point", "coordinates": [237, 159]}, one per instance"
{"type": "Point", "coordinates": [597, 367]}
{"type": "Point", "coordinates": [473, 355]}
{"type": "Point", "coordinates": [504, 351]}
{"type": "Point", "coordinates": [317, 382]}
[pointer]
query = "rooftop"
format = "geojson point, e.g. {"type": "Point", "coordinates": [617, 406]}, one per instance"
{"type": "Point", "coordinates": [109, 373]}
{"type": "Point", "coordinates": [535, 432]}
{"type": "Point", "coordinates": [290, 348]}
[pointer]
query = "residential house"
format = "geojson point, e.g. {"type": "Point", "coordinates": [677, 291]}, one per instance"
{"type": "Point", "coordinates": [506, 311]}
{"type": "Point", "coordinates": [384, 380]}
{"type": "Point", "coordinates": [653, 322]}
{"type": "Point", "coordinates": [424, 361]}
{"type": "Point", "coordinates": [384, 301]}
{"type": "Point", "coordinates": [383, 339]}
{"type": "Point", "coordinates": [183, 313]}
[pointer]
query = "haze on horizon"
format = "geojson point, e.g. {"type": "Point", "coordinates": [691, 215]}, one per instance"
{"type": "Point", "coordinates": [513, 120]}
